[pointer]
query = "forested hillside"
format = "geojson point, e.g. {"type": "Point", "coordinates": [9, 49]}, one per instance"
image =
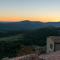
{"type": "Point", "coordinates": [39, 36]}
{"type": "Point", "coordinates": [33, 37]}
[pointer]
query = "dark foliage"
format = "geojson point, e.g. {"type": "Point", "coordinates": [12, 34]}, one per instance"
{"type": "Point", "coordinates": [39, 36]}
{"type": "Point", "coordinates": [34, 37]}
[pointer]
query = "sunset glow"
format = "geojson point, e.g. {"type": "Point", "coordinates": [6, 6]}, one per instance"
{"type": "Point", "coordinates": [33, 10]}
{"type": "Point", "coordinates": [41, 19]}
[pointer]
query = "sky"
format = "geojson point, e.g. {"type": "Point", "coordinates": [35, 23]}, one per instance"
{"type": "Point", "coordinates": [33, 10]}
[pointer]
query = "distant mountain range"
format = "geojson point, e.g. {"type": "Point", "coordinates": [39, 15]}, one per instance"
{"type": "Point", "coordinates": [26, 25]}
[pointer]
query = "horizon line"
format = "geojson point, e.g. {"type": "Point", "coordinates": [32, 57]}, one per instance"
{"type": "Point", "coordinates": [30, 21]}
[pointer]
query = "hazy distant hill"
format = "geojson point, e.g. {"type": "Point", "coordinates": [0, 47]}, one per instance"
{"type": "Point", "coordinates": [26, 25]}
{"type": "Point", "coordinates": [56, 24]}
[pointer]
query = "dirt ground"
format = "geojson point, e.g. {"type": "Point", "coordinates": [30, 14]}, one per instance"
{"type": "Point", "coordinates": [51, 56]}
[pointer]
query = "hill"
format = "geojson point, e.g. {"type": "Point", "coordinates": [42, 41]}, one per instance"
{"type": "Point", "coordinates": [25, 25]}
{"type": "Point", "coordinates": [9, 46]}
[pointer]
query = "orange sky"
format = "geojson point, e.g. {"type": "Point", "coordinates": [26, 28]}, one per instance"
{"type": "Point", "coordinates": [10, 19]}
{"type": "Point", "coordinates": [34, 10]}
{"type": "Point", "coordinates": [42, 19]}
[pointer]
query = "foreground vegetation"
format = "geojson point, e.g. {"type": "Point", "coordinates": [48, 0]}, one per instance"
{"type": "Point", "coordinates": [33, 37]}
